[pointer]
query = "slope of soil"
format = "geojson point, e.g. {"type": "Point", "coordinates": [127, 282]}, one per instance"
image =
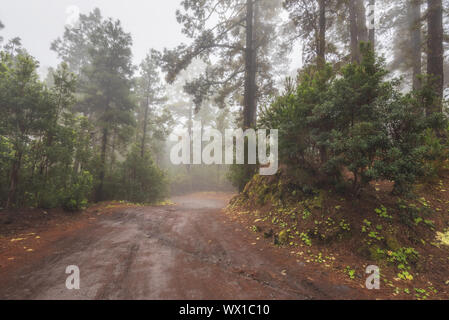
{"type": "Point", "coordinates": [405, 237]}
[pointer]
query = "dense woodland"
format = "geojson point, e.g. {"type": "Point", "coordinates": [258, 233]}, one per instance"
{"type": "Point", "coordinates": [368, 104]}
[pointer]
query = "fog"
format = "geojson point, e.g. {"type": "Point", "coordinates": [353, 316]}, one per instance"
{"type": "Point", "coordinates": [151, 23]}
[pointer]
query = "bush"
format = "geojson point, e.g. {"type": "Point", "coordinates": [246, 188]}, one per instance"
{"type": "Point", "coordinates": [141, 180]}
{"type": "Point", "coordinates": [240, 175]}
{"type": "Point", "coordinates": [78, 193]}
{"type": "Point", "coordinates": [354, 126]}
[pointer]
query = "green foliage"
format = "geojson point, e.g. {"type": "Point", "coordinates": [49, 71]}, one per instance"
{"type": "Point", "coordinates": [404, 257]}
{"type": "Point", "coordinates": [140, 180]}
{"type": "Point", "coordinates": [283, 237]}
{"type": "Point", "coordinates": [39, 144]}
{"type": "Point", "coordinates": [77, 194]}
{"type": "Point", "coordinates": [61, 139]}
{"type": "Point", "coordinates": [383, 212]}
{"type": "Point", "coordinates": [355, 121]}
{"type": "Point", "coordinates": [306, 239]}
{"type": "Point", "coordinates": [240, 175]}
{"type": "Point", "coordinates": [350, 272]}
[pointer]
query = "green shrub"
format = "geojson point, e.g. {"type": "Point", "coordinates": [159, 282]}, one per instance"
{"type": "Point", "coordinates": [141, 180]}
{"type": "Point", "coordinates": [78, 193]}
{"type": "Point", "coordinates": [240, 175]}
{"type": "Point", "coordinates": [357, 122]}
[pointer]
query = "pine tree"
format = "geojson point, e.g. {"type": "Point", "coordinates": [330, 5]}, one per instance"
{"type": "Point", "coordinates": [106, 87]}
{"type": "Point", "coordinates": [240, 35]}
{"type": "Point", "coordinates": [435, 52]}
{"type": "Point", "coordinates": [311, 21]}
{"type": "Point", "coordinates": [73, 47]}
{"type": "Point", "coordinates": [154, 120]}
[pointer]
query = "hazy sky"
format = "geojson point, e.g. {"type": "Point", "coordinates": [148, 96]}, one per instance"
{"type": "Point", "coordinates": [152, 24]}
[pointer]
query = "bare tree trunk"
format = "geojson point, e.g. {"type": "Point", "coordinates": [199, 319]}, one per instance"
{"type": "Point", "coordinates": [355, 51]}
{"type": "Point", "coordinates": [435, 52]}
{"type": "Point", "coordinates": [190, 128]}
{"type": "Point", "coordinates": [372, 21]}
{"type": "Point", "coordinates": [145, 127]}
{"type": "Point", "coordinates": [250, 77]}
{"type": "Point", "coordinates": [254, 61]}
{"type": "Point", "coordinates": [321, 59]}
{"type": "Point", "coordinates": [321, 54]}
{"type": "Point", "coordinates": [113, 148]}
{"type": "Point", "coordinates": [104, 144]}
{"type": "Point", "coordinates": [414, 12]}
{"type": "Point", "coordinates": [357, 27]}
{"type": "Point", "coordinates": [14, 179]}
{"type": "Point", "coordinates": [361, 21]}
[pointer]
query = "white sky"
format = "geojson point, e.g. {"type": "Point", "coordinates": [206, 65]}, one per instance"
{"type": "Point", "coordinates": [152, 24]}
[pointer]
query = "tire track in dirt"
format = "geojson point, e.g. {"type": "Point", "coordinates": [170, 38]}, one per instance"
{"type": "Point", "coordinates": [187, 251]}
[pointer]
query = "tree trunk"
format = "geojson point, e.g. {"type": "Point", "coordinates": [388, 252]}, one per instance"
{"type": "Point", "coordinates": [321, 59]}
{"type": "Point", "coordinates": [190, 129]}
{"type": "Point", "coordinates": [353, 30]}
{"type": "Point", "coordinates": [321, 54]}
{"type": "Point", "coordinates": [372, 23]}
{"type": "Point", "coordinates": [254, 62]}
{"type": "Point", "coordinates": [361, 21]}
{"type": "Point", "coordinates": [249, 110]}
{"type": "Point", "coordinates": [113, 148]}
{"type": "Point", "coordinates": [357, 27]}
{"type": "Point", "coordinates": [104, 144]}
{"type": "Point", "coordinates": [145, 127]}
{"type": "Point", "coordinates": [414, 12]}
{"type": "Point", "coordinates": [435, 52]}
{"type": "Point", "coordinates": [14, 179]}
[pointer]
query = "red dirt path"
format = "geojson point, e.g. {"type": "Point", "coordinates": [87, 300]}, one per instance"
{"type": "Point", "coordinates": [190, 250]}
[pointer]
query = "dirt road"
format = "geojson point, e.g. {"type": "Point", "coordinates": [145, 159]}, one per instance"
{"type": "Point", "coordinates": [186, 251]}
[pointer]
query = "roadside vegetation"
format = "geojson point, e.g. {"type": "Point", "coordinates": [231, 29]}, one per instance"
{"type": "Point", "coordinates": [364, 179]}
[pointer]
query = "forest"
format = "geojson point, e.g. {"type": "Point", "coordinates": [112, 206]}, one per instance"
{"type": "Point", "coordinates": [96, 126]}
{"type": "Point", "coordinates": [363, 122]}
